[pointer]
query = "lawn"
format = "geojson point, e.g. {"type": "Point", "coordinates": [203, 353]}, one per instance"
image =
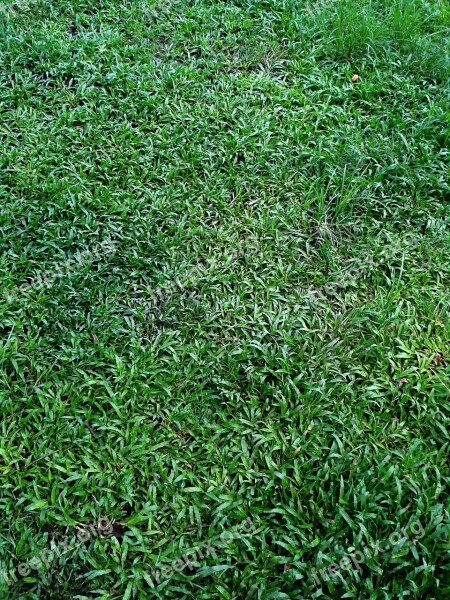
{"type": "Point", "coordinates": [225, 288]}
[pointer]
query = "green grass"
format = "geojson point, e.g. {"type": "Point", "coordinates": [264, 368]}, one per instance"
{"type": "Point", "coordinates": [270, 337]}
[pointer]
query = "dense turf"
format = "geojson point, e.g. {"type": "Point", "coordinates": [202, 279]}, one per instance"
{"type": "Point", "coordinates": [264, 332]}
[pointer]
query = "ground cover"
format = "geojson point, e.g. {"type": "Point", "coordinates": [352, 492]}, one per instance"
{"type": "Point", "coordinates": [224, 306]}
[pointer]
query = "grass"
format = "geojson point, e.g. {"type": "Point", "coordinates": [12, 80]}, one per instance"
{"type": "Point", "coordinates": [270, 337]}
